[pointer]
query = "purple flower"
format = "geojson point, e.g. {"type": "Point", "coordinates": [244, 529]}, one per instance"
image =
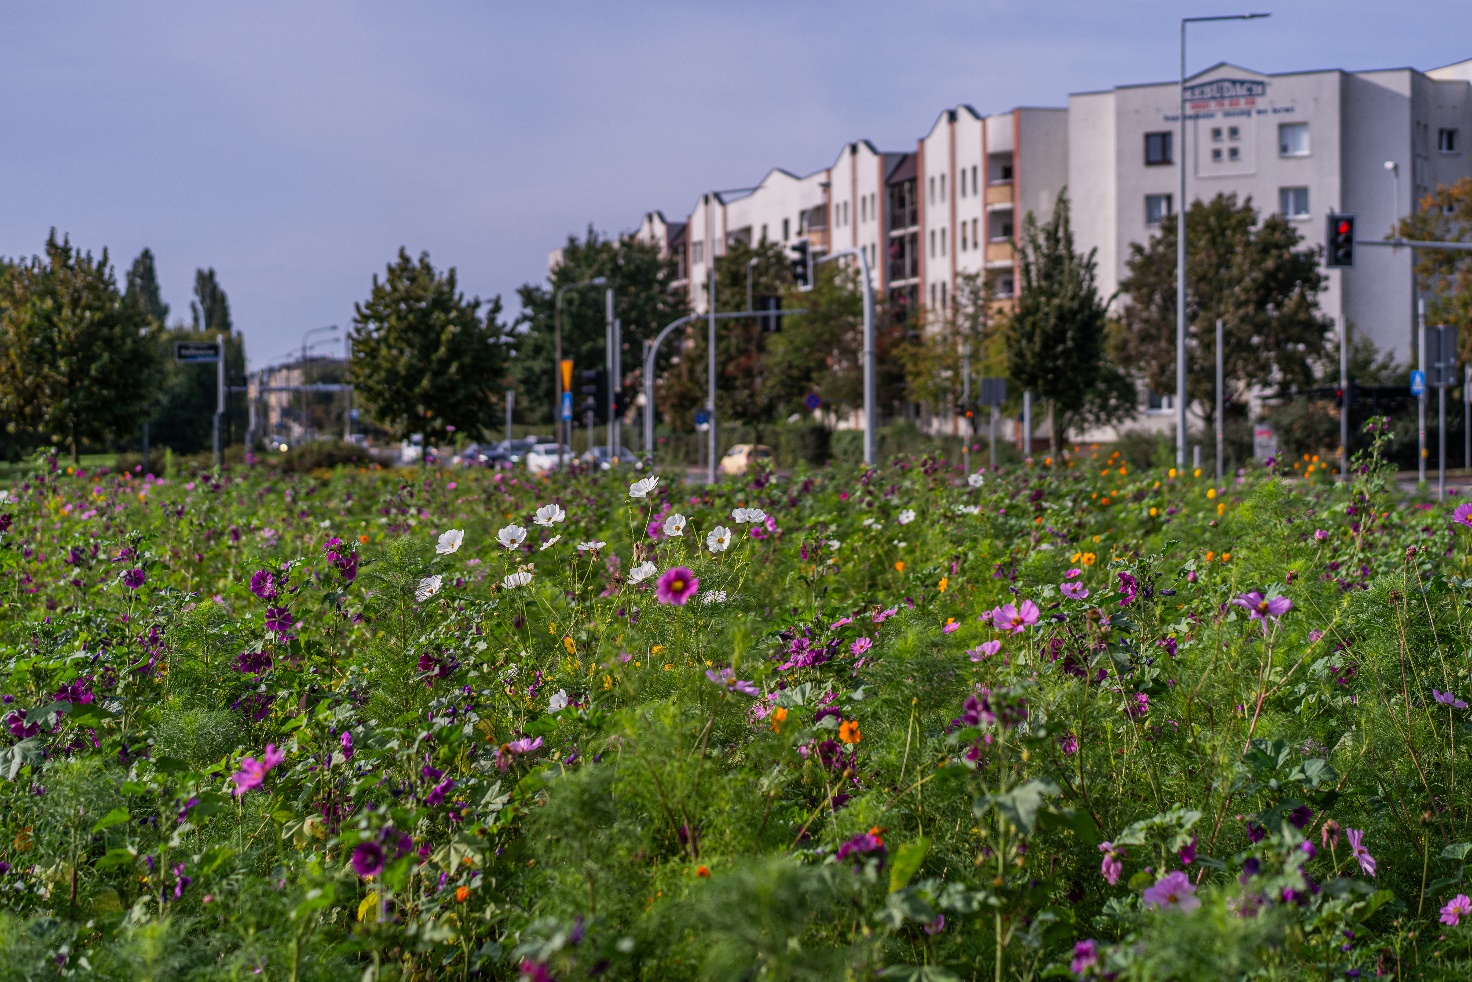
{"type": "Point", "coordinates": [1367, 862]}
{"type": "Point", "coordinates": [727, 680]}
{"type": "Point", "coordinates": [1188, 852]}
{"type": "Point", "coordinates": [1068, 744]}
{"type": "Point", "coordinates": [1320, 535]}
{"type": "Point", "coordinates": [1308, 849]}
{"type": "Point", "coordinates": [1301, 816]}
{"type": "Point", "coordinates": [1255, 832]}
{"type": "Point", "coordinates": [1074, 591]}
{"type": "Point", "coordinates": [861, 844]}
{"type": "Point", "coordinates": [263, 584]}
{"type": "Point", "coordinates": [1463, 515]}
{"type": "Point", "coordinates": [1169, 644]}
{"type": "Point", "coordinates": [278, 622]}
{"type": "Point", "coordinates": [133, 578]}
{"type": "Point", "coordinates": [1085, 957]}
{"type": "Point", "coordinates": [1459, 906]}
{"type": "Point", "coordinates": [437, 794]}
{"type": "Point", "coordinates": [1448, 699]}
{"type": "Point", "coordinates": [180, 880]}
{"type": "Point", "coordinates": [1015, 619]}
{"type": "Point", "coordinates": [1173, 890]}
{"type": "Point", "coordinates": [860, 646]}
{"type": "Point", "coordinates": [347, 745]}
{"type": "Point", "coordinates": [1264, 609]}
{"type": "Point", "coordinates": [1141, 706]}
{"type": "Point", "coordinates": [252, 772]}
{"type": "Point", "coordinates": [368, 859]}
{"type": "Point", "coordinates": [951, 628]}
{"type": "Point", "coordinates": [984, 650]}
{"type": "Point", "coordinates": [1111, 867]}
{"type": "Point", "coordinates": [1128, 587]}
{"type": "Point", "coordinates": [534, 971]}
{"type": "Point", "coordinates": [253, 662]}
{"type": "Point", "coordinates": [677, 586]}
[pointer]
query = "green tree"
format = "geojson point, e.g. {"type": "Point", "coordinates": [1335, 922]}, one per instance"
{"type": "Point", "coordinates": [643, 301]}
{"type": "Point", "coordinates": [143, 290]}
{"type": "Point", "coordinates": [75, 360]}
{"type": "Point", "coordinates": [821, 351]}
{"type": "Point", "coordinates": [210, 309]}
{"type": "Point", "coordinates": [1443, 276]}
{"type": "Point", "coordinates": [1253, 276]}
{"type": "Point", "coordinates": [933, 362]}
{"type": "Point", "coordinates": [1056, 335]}
{"type": "Point", "coordinates": [424, 358]}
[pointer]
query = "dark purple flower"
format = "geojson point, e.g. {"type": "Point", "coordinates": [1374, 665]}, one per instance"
{"type": "Point", "coordinates": [368, 859]}
{"type": "Point", "coordinates": [133, 578]}
{"type": "Point", "coordinates": [347, 745]}
{"type": "Point", "coordinates": [1128, 587]}
{"type": "Point", "coordinates": [253, 662]}
{"type": "Point", "coordinates": [437, 794]}
{"type": "Point", "coordinates": [1255, 832]}
{"type": "Point", "coordinates": [180, 880]}
{"type": "Point", "coordinates": [279, 622]}
{"type": "Point", "coordinates": [1188, 852]}
{"type": "Point", "coordinates": [5, 520]}
{"type": "Point", "coordinates": [263, 584]}
{"type": "Point", "coordinates": [1085, 957]}
{"type": "Point", "coordinates": [1301, 816]}
{"type": "Point", "coordinates": [861, 844]}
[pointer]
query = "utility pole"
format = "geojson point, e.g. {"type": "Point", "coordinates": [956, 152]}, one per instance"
{"type": "Point", "coordinates": [1221, 419]}
{"type": "Point", "coordinates": [219, 400]}
{"type": "Point", "coordinates": [610, 363]}
{"type": "Point", "coordinates": [710, 370]}
{"type": "Point", "coordinates": [1027, 424]}
{"type": "Point", "coordinates": [1344, 399]}
{"type": "Point", "coordinates": [966, 401]}
{"type": "Point", "coordinates": [1421, 399]}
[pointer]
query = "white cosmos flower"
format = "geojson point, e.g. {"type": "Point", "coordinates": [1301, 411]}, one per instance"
{"type": "Point", "coordinates": [549, 543]}
{"type": "Point", "coordinates": [450, 542]}
{"type": "Point", "coordinates": [428, 587]}
{"type": "Point", "coordinates": [558, 701]}
{"type": "Point", "coordinates": [713, 597]}
{"type": "Point", "coordinates": [970, 509]}
{"type": "Point", "coordinates": [869, 523]}
{"type": "Point", "coordinates": [511, 536]}
{"type": "Point", "coordinates": [976, 480]}
{"type": "Point", "coordinates": [591, 546]}
{"type": "Point", "coordinates": [834, 543]}
{"type": "Point", "coordinates": [743, 515]}
{"type": "Point", "coordinates": [548, 514]}
{"type": "Point", "coordinates": [907, 516]}
{"type": "Point", "coordinates": [641, 488]}
{"type": "Point", "coordinates": [642, 572]}
{"type": "Point", "coordinates": [513, 580]}
{"type": "Point", "coordinates": [718, 539]}
{"type": "Point", "coordinates": [674, 525]}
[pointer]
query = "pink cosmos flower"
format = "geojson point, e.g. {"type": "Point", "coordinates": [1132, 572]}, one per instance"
{"type": "Point", "coordinates": [860, 646]}
{"type": "Point", "coordinates": [1173, 890]}
{"type": "Point", "coordinates": [884, 615]}
{"type": "Point", "coordinates": [951, 628]}
{"type": "Point", "coordinates": [1264, 609]}
{"type": "Point", "coordinates": [1463, 515]}
{"type": "Point", "coordinates": [1456, 908]}
{"type": "Point", "coordinates": [985, 650]}
{"type": "Point", "coordinates": [1015, 619]}
{"type": "Point", "coordinates": [677, 586]}
{"type": "Point", "coordinates": [1111, 867]}
{"type": "Point", "coordinates": [252, 772]}
{"type": "Point", "coordinates": [1074, 591]}
{"type": "Point", "coordinates": [1449, 699]}
{"type": "Point", "coordinates": [1073, 574]}
{"type": "Point", "coordinates": [727, 680]}
{"type": "Point", "coordinates": [1367, 862]}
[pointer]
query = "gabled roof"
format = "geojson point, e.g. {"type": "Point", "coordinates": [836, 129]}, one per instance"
{"type": "Point", "coordinates": [903, 170]}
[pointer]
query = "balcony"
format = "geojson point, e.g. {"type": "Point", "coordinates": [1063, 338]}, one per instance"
{"type": "Point", "coordinates": [998, 252]}
{"type": "Point", "coordinates": [999, 194]}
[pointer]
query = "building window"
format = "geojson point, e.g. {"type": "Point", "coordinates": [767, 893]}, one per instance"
{"type": "Point", "coordinates": [1155, 402]}
{"type": "Point", "coordinates": [930, 190]}
{"type": "Point", "coordinates": [942, 187]}
{"type": "Point", "coordinates": [932, 243]}
{"type": "Point", "coordinates": [1216, 154]}
{"type": "Point", "coordinates": [1216, 134]}
{"type": "Point", "coordinates": [1234, 153]}
{"type": "Point", "coordinates": [786, 228]}
{"type": "Point", "coordinates": [975, 231]}
{"type": "Point", "coordinates": [973, 178]}
{"type": "Point", "coordinates": [1157, 206]}
{"type": "Point", "coordinates": [1158, 148]}
{"type": "Point", "coordinates": [1293, 202]}
{"type": "Point", "coordinates": [964, 231]}
{"type": "Point", "coordinates": [1446, 141]}
{"type": "Point", "coordinates": [1234, 133]}
{"type": "Point", "coordinates": [764, 231]}
{"type": "Point", "coordinates": [1004, 288]}
{"type": "Point", "coordinates": [1293, 140]}
{"type": "Point", "coordinates": [697, 252]}
{"type": "Point", "coordinates": [942, 296]}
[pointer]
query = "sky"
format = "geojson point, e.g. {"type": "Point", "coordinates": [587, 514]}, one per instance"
{"type": "Point", "coordinates": [295, 147]}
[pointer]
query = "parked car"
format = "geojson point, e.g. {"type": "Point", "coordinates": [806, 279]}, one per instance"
{"type": "Point", "coordinates": [543, 457]}
{"type": "Point", "coordinates": [475, 455]}
{"type": "Point", "coordinates": [740, 457]}
{"type": "Point", "coordinates": [598, 457]}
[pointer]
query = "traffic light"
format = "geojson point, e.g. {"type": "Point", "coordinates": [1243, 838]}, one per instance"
{"type": "Point", "coordinates": [771, 318]}
{"type": "Point", "coordinates": [802, 264]}
{"type": "Point", "coordinates": [592, 394]}
{"type": "Point", "coordinates": [1339, 241]}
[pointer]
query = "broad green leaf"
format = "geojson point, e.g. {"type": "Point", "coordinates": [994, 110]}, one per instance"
{"type": "Point", "coordinates": [906, 862]}
{"type": "Point", "coordinates": [115, 817]}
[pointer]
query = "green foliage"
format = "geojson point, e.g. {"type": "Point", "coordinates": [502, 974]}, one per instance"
{"type": "Point", "coordinates": [424, 359]}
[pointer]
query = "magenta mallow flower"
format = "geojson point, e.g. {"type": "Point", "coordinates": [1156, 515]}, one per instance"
{"type": "Point", "coordinates": [1085, 957]}
{"type": "Point", "coordinates": [1456, 908]}
{"type": "Point", "coordinates": [1111, 867]}
{"type": "Point", "coordinates": [263, 584]}
{"type": "Point", "coordinates": [347, 745]}
{"type": "Point", "coordinates": [368, 859]}
{"type": "Point", "coordinates": [984, 650]}
{"type": "Point", "coordinates": [1014, 619]}
{"type": "Point", "coordinates": [252, 772]}
{"type": "Point", "coordinates": [1463, 515]}
{"type": "Point", "coordinates": [1367, 862]}
{"type": "Point", "coordinates": [1320, 535]}
{"type": "Point", "coordinates": [677, 586]}
{"type": "Point", "coordinates": [1074, 591]}
{"type": "Point", "coordinates": [1173, 890]}
{"type": "Point", "coordinates": [279, 621]}
{"type": "Point", "coordinates": [133, 578]}
{"type": "Point", "coordinates": [1448, 699]}
{"type": "Point", "coordinates": [727, 680]}
{"type": "Point", "coordinates": [1263, 608]}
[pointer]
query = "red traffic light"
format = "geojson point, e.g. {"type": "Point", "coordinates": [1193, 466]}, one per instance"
{"type": "Point", "coordinates": [1343, 227]}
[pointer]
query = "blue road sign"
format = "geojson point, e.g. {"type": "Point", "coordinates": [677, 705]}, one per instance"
{"type": "Point", "coordinates": [567, 405]}
{"type": "Point", "coordinates": [1418, 383]}
{"type": "Point", "coordinates": [702, 416]}
{"type": "Point", "coordinates": [812, 401]}
{"type": "Point", "coordinates": [196, 351]}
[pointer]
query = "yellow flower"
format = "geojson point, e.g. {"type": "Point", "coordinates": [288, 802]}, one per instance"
{"type": "Point", "coordinates": [1196, 472]}
{"type": "Point", "coordinates": [1154, 512]}
{"type": "Point", "coordinates": [568, 644]}
{"type": "Point", "coordinates": [848, 731]}
{"type": "Point", "coordinates": [1211, 492]}
{"type": "Point", "coordinates": [656, 649]}
{"type": "Point", "coordinates": [1221, 509]}
{"type": "Point", "coordinates": [1087, 559]}
{"type": "Point", "coordinates": [1172, 472]}
{"type": "Point", "coordinates": [945, 581]}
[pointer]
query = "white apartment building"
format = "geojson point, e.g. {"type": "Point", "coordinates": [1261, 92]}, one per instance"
{"type": "Point", "coordinates": [1302, 144]}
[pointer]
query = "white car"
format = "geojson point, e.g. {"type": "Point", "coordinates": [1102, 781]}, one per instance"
{"type": "Point", "coordinates": [543, 457]}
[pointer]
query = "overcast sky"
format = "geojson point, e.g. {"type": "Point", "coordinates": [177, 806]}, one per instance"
{"type": "Point", "coordinates": [294, 147]}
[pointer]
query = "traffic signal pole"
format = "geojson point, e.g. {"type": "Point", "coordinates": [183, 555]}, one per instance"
{"type": "Point", "coordinates": [871, 416]}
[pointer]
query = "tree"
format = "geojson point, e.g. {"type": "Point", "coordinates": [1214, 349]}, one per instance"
{"type": "Point", "coordinates": [821, 351]}
{"type": "Point", "coordinates": [933, 362]}
{"type": "Point", "coordinates": [75, 359]}
{"type": "Point", "coordinates": [424, 359]}
{"type": "Point", "coordinates": [210, 309]}
{"type": "Point", "coordinates": [143, 290]}
{"type": "Point", "coordinates": [643, 302]}
{"type": "Point", "coordinates": [1056, 334]}
{"type": "Point", "coordinates": [1253, 276]}
{"type": "Point", "coordinates": [1444, 276]}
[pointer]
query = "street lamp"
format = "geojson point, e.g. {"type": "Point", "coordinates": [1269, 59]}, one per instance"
{"type": "Point", "coordinates": [557, 358]}
{"type": "Point", "coordinates": [315, 330]}
{"type": "Point", "coordinates": [1181, 246]}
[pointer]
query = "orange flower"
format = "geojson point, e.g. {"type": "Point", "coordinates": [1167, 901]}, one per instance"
{"type": "Point", "coordinates": [900, 565]}
{"type": "Point", "coordinates": [779, 716]}
{"type": "Point", "coordinates": [462, 894]}
{"type": "Point", "coordinates": [848, 731]}
{"type": "Point", "coordinates": [703, 872]}
{"type": "Point", "coordinates": [363, 539]}
{"type": "Point", "coordinates": [945, 581]}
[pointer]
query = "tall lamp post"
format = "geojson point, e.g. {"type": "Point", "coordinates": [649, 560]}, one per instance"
{"type": "Point", "coordinates": [1181, 246]}
{"type": "Point", "coordinates": [315, 330]}
{"type": "Point", "coordinates": [557, 359]}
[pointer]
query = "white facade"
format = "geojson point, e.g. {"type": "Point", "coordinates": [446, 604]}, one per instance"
{"type": "Point", "coordinates": [1302, 144]}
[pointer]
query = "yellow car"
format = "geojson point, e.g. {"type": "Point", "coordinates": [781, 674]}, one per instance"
{"type": "Point", "coordinates": [743, 455]}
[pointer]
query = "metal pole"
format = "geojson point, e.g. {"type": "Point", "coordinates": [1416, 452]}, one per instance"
{"type": "Point", "coordinates": [557, 373]}
{"type": "Point", "coordinates": [219, 401]}
{"type": "Point", "coordinates": [1181, 272]}
{"type": "Point", "coordinates": [1421, 399]}
{"type": "Point", "coordinates": [1344, 399]}
{"type": "Point", "coordinates": [617, 448]}
{"type": "Point", "coordinates": [648, 387]}
{"type": "Point", "coordinates": [347, 394]}
{"type": "Point", "coordinates": [510, 409]}
{"type": "Point", "coordinates": [1440, 435]}
{"type": "Point", "coordinates": [750, 267]}
{"type": "Point", "coordinates": [995, 413]}
{"type": "Point", "coordinates": [1027, 425]}
{"type": "Point", "coordinates": [710, 373]}
{"type": "Point", "coordinates": [1221, 418]}
{"type": "Point", "coordinates": [1467, 417]}
{"type": "Point", "coordinates": [966, 401]}
{"type": "Point", "coordinates": [610, 366]}
{"type": "Point", "coordinates": [871, 411]}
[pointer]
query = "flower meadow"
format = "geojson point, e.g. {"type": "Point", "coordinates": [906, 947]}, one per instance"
{"type": "Point", "coordinates": [1060, 720]}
